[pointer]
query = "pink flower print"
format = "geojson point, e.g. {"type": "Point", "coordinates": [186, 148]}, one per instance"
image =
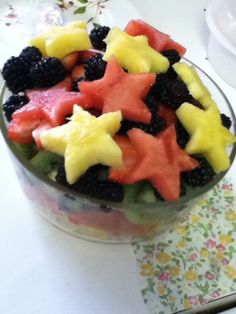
{"type": "Point", "coordinates": [193, 300]}
{"type": "Point", "coordinates": [220, 247]}
{"type": "Point", "coordinates": [209, 275]}
{"type": "Point", "coordinates": [210, 244]}
{"type": "Point", "coordinates": [164, 276]}
{"type": "Point", "coordinates": [212, 209]}
{"type": "Point", "coordinates": [215, 294]}
{"type": "Point", "coordinates": [202, 301]}
{"type": "Point", "coordinates": [225, 186]}
{"type": "Point", "coordinates": [193, 257]}
{"type": "Point", "coordinates": [225, 261]}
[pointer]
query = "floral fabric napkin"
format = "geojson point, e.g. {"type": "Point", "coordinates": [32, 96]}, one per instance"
{"type": "Point", "coordinates": [195, 262]}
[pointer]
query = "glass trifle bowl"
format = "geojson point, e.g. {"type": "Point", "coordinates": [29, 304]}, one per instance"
{"type": "Point", "coordinates": [143, 213]}
{"type": "Point", "coordinates": [101, 220]}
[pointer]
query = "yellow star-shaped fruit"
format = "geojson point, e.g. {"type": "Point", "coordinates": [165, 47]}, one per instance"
{"type": "Point", "coordinates": [85, 141]}
{"type": "Point", "coordinates": [197, 89]}
{"type": "Point", "coordinates": [207, 134]}
{"type": "Point", "coordinates": [134, 53]}
{"type": "Point", "coordinates": [58, 41]}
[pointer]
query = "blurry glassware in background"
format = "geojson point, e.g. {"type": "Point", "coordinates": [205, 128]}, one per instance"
{"type": "Point", "coordinates": [221, 20]}
{"type": "Point", "coordinates": [42, 15]}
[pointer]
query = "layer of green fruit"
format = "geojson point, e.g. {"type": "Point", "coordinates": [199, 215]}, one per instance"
{"type": "Point", "coordinates": [45, 161]}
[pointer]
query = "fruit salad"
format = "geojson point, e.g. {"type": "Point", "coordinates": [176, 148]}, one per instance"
{"type": "Point", "coordinates": [113, 116]}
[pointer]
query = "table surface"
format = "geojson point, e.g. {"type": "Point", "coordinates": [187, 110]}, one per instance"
{"type": "Point", "coordinates": [44, 270]}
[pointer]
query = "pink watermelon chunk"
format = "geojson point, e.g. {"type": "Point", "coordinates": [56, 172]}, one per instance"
{"type": "Point", "coordinates": [158, 159]}
{"type": "Point", "coordinates": [176, 46]}
{"type": "Point", "coordinates": [50, 105]}
{"type": "Point", "coordinates": [110, 93]}
{"type": "Point", "coordinates": [156, 39]}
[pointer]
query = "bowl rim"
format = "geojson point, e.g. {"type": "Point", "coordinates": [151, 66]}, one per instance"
{"type": "Point", "coordinates": [195, 192]}
{"type": "Point", "coordinates": [215, 31]}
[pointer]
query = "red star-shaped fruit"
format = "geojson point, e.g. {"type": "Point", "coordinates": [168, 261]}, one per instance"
{"type": "Point", "coordinates": [52, 104]}
{"type": "Point", "coordinates": [45, 107]}
{"type": "Point", "coordinates": [118, 90]}
{"type": "Point", "coordinates": [159, 160]}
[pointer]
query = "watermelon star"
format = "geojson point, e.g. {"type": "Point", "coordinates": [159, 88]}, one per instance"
{"type": "Point", "coordinates": [85, 141]}
{"type": "Point", "coordinates": [159, 159]}
{"type": "Point", "coordinates": [118, 90]}
{"type": "Point", "coordinates": [46, 107]}
{"type": "Point", "coordinates": [207, 134]}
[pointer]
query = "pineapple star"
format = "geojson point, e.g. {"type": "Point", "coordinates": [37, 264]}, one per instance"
{"type": "Point", "coordinates": [134, 53]}
{"type": "Point", "coordinates": [197, 89]}
{"type": "Point", "coordinates": [207, 134]}
{"type": "Point", "coordinates": [118, 90]}
{"type": "Point", "coordinates": [85, 141]}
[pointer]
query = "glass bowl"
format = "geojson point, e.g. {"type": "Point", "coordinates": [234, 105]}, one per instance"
{"type": "Point", "coordinates": [103, 221]}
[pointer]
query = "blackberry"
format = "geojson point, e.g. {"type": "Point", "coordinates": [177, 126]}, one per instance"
{"type": "Point", "coordinates": [201, 175]}
{"type": "Point", "coordinates": [183, 190]}
{"type": "Point", "coordinates": [195, 102]}
{"type": "Point", "coordinates": [172, 55]}
{"type": "Point", "coordinates": [163, 80]}
{"type": "Point", "coordinates": [61, 176]}
{"type": "Point", "coordinates": [226, 121]}
{"type": "Point", "coordinates": [151, 102]}
{"type": "Point", "coordinates": [31, 55]}
{"type": "Point", "coordinates": [47, 72]}
{"type": "Point", "coordinates": [16, 74]}
{"type": "Point", "coordinates": [86, 182]}
{"type": "Point", "coordinates": [75, 84]}
{"type": "Point", "coordinates": [107, 190]}
{"type": "Point", "coordinates": [169, 90]}
{"type": "Point", "coordinates": [14, 103]}
{"type": "Point", "coordinates": [155, 126]}
{"type": "Point", "coordinates": [177, 93]}
{"type": "Point", "coordinates": [182, 134]}
{"type": "Point", "coordinates": [171, 74]}
{"type": "Point", "coordinates": [160, 90]}
{"type": "Point", "coordinates": [97, 35]}
{"type": "Point", "coordinates": [95, 67]}
{"type": "Point", "coordinates": [91, 184]}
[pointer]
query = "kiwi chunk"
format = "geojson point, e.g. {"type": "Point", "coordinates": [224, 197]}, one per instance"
{"type": "Point", "coordinates": [28, 151]}
{"type": "Point", "coordinates": [45, 161]}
